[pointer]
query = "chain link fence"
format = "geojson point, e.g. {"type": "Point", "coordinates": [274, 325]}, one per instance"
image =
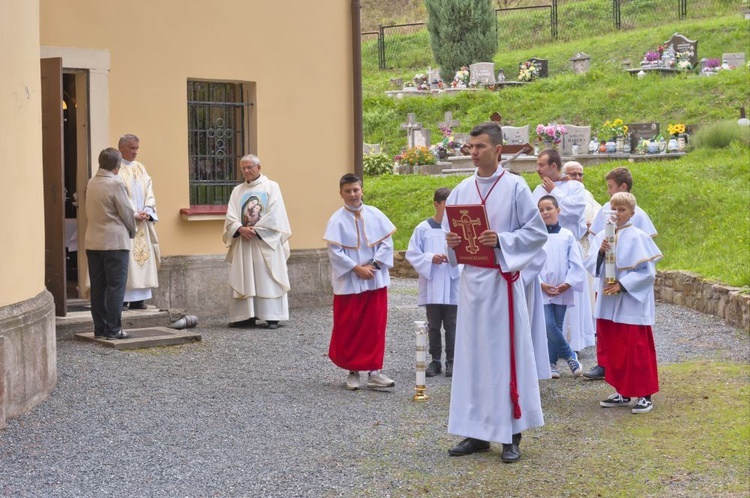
{"type": "Point", "coordinates": [408, 45]}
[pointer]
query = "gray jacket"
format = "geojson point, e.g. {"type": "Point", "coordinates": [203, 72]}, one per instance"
{"type": "Point", "coordinates": [111, 219]}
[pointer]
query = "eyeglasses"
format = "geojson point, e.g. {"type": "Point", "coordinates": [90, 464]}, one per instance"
{"type": "Point", "coordinates": [575, 174]}
{"type": "Point", "coordinates": [249, 168]}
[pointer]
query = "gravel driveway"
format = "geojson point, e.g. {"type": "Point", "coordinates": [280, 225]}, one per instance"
{"type": "Point", "coordinates": [254, 412]}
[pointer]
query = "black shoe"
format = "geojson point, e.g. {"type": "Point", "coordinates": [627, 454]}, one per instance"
{"type": "Point", "coordinates": [448, 368]}
{"type": "Point", "coordinates": [433, 369]}
{"type": "Point", "coordinates": [250, 322]}
{"type": "Point", "coordinates": [596, 373]}
{"type": "Point", "coordinates": [137, 305]}
{"type": "Point", "coordinates": [511, 453]}
{"type": "Point", "coordinates": [272, 324]}
{"type": "Point", "coordinates": [469, 446]}
{"type": "Point", "coordinates": [119, 335]}
{"type": "Point", "coordinates": [100, 336]}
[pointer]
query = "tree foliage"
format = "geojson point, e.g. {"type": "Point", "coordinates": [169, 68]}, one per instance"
{"type": "Point", "coordinates": [462, 32]}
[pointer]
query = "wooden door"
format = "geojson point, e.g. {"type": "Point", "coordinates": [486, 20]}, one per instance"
{"type": "Point", "coordinates": [54, 185]}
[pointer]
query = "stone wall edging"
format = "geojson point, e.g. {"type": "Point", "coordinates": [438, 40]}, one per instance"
{"type": "Point", "coordinates": [732, 304]}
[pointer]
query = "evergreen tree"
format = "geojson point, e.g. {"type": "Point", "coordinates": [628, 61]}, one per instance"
{"type": "Point", "coordinates": [462, 32]}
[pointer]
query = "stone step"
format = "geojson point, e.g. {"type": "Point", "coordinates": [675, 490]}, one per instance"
{"type": "Point", "coordinates": [78, 319]}
{"type": "Point", "coordinates": [150, 337]}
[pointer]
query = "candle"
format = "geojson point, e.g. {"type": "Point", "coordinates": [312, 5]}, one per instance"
{"type": "Point", "coordinates": [421, 360]}
{"type": "Point", "coordinates": [610, 271]}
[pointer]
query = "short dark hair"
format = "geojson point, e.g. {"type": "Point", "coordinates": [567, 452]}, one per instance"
{"type": "Point", "coordinates": [441, 194]}
{"type": "Point", "coordinates": [620, 176]}
{"type": "Point", "coordinates": [349, 178]}
{"type": "Point", "coordinates": [491, 129]}
{"type": "Point", "coordinates": [109, 159]}
{"type": "Point", "coordinates": [553, 157]}
{"type": "Point", "coordinates": [549, 198]}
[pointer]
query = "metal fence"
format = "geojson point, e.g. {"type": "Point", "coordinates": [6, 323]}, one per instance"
{"type": "Point", "coordinates": [408, 45]}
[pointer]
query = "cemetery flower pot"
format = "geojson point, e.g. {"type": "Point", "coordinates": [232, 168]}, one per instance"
{"type": "Point", "coordinates": [653, 147]}
{"type": "Point", "coordinates": [619, 144]}
{"type": "Point", "coordinates": [672, 145]}
{"type": "Point", "coordinates": [611, 146]}
{"type": "Point", "coordinates": [681, 142]}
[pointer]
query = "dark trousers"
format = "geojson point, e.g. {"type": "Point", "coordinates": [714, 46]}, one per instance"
{"type": "Point", "coordinates": [108, 272]}
{"type": "Point", "coordinates": [445, 315]}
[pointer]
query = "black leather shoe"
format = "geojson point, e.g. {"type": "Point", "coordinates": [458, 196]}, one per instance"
{"type": "Point", "coordinates": [250, 322]}
{"type": "Point", "coordinates": [449, 368]}
{"type": "Point", "coordinates": [469, 446]}
{"type": "Point", "coordinates": [596, 373]}
{"type": "Point", "coordinates": [137, 305]}
{"type": "Point", "coordinates": [100, 336]}
{"type": "Point", "coordinates": [119, 335]}
{"type": "Point", "coordinates": [433, 369]}
{"type": "Point", "coordinates": [511, 453]}
{"type": "Point", "coordinates": [272, 324]}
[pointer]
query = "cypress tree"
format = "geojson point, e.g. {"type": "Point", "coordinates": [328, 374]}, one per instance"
{"type": "Point", "coordinates": [462, 32]}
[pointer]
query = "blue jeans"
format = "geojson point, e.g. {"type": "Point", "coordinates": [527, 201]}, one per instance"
{"type": "Point", "coordinates": [558, 347]}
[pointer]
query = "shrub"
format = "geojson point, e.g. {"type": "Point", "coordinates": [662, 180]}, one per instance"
{"type": "Point", "coordinates": [377, 164]}
{"type": "Point", "coordinates": [418, 155]}
{"type": "Point", "coordinates": [461, 32]}
{"type": "Point", "coordinates": [720, 135]}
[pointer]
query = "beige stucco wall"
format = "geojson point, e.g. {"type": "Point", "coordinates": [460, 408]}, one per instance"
{"type": "Point", "coordinates": [297, 52]}
{"type": "Point", "coordinates": [22, 223]}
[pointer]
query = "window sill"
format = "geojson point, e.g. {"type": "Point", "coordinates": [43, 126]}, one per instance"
{"type": "Point", "coordinates": [203, 213]}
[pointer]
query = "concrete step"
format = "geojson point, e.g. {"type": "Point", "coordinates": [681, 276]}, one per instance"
{"type": "Point", "coordinates": [149, 337]}
{"type": "Point", "coordinates": [78, 319]}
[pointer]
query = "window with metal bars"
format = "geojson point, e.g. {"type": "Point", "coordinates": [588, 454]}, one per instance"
{"type": "Point", "coordinates": [217, 136]}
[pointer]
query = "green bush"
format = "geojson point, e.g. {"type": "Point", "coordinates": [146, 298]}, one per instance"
{"type": "Point", "coordinates": [720, 135]}
{"type": "Point", "coordinates": [377, 164]}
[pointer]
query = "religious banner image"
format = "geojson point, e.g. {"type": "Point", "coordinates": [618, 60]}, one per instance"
{"type": "Point", "coordinates": [468, 221]}
{"type": "Point", "coordinates": [254, 205]}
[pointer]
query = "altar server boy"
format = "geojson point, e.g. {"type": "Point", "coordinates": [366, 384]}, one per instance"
{"type": "Point", "coordinates": [625, 310]}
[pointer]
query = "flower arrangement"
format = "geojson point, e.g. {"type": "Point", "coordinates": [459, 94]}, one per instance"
{"type": "Point", "coordinates": [676, 129]}
{"type": "Point", "coordinates": [417, 155]}
{"type": "Point", "coordinates": [462, 77]}
{"type": "Point", "coordinates": [614, 129]}
{"type": "Point", "coordinates": [421, 81]}
{"type": "Point", "coordinates": [712, 66]}
{"type": "Point", "coordinates": [448, 146]}
{"type": "Point", "coordinates": [527, 71]}
{"type": "Point", "coordinates": [682, 60]}
{"type": "Point", "coordinates": [550, 133]}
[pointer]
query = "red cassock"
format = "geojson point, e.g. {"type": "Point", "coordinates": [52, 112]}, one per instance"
{"type": "Point", "coordinates": [358, 338]}
{"type": "Point", "coordinates": [630, 360]}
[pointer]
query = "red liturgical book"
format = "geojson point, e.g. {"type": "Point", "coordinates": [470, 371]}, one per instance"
{"type": "Point", "coordinates": [468, 221]}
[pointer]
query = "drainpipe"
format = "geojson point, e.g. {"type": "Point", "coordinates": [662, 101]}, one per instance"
{"type": "Point", "coordinates": [357, 87]}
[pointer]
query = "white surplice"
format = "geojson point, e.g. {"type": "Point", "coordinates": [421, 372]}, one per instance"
{"type": "Point", "coordinates": [564, 265]}
{"type": "Point", "coordinates": [532, 285]}
{"type": "Point", "coordinates": [438, 283]}
{"type": "Point", "coordinates": [258, 276]}
{"type": "Point", "coordinates": [481, 405]}
{"type": "Point", "coordinates": [145, 257]}
{"type": "Point", "coordinates": [571, 197]}
{"type": "Point", "coordinates": [640, 219]}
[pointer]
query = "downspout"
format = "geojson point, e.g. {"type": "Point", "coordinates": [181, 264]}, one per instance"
{"type": "Point", "coordinates": [357, 87]}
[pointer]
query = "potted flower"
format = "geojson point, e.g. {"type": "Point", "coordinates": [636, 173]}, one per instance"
{"type": "Point", "coordinates": [682, 60]}
{"type": "Point", "coordinates": [462, 77]}
{"type": "Point", "coordinates": [678, 138]}
{"type": "Point", "coordinates": [712, 66]}
{"type": "Point", "coordinates": [417, 156]}
{"type": "Point", "coordinates": [617, 131]}
{"type": "Point", "coordinates": [651, 59]}
{"type": "Point", "coordinates": [550, 134]}
{"type": "Point", "coordinates": [421, 81]}
{"type": "Point", "coordinates": [527, 71]}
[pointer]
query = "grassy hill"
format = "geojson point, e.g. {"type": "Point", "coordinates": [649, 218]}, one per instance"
{"type": "Point", "coordinates": [700, 204]}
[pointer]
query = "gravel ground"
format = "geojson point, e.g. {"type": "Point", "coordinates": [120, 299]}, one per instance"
{"type": "Point", "coordinates": [261, 413]}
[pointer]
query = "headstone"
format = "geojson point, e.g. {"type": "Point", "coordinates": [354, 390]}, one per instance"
{"type": "Point", "coordinates": [410, 126]}
{"type": "Point", "coordinates": [462, 137]}
{"type": "Point", "coordinates": [581, 63]}
{"type": "Point", "coordinates": [397, 83]}
{"type": "Point", "coordinates": [734, 59]}
{"type": "Point", "coordinates": [680, 44]}
{"type": "Point", "coordinates": [449, 122]}
{"type": "Point", "coordinates": [641, 131]}
{"type": "Point", "coordinates": [371, 148]}
{"type": "Point", "coordinates": [482, 73]}
{"type": "Point", "coordinates": [434, 78]}
{"type": "Point", "coordinates": [515, 134]}
{"type": "Point", "coordinates": [576, 135]}
{"type": "Point", "coordinates": [421, 138]}
{"type": "Point", "coordinates": [541, 66]}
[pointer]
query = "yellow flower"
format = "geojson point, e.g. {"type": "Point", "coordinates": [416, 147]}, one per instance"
{"type": "Point", "coordinates": [617, 122]}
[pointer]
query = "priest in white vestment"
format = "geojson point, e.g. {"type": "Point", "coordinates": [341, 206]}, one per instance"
{"type": "Point", "coordinates": [256, 231]}
{"type": "Point", "coordinates": [495, 390]}
{"type": "Point", "coordinates": [571, 198]}
{"type": "Point", "coordinates": [144, 255]}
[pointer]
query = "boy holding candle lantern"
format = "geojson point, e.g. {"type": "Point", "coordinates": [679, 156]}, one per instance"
{"type": "Point", "coordinates": [624, 310]}
{"type": "Point", "coordinates": [438, 284]}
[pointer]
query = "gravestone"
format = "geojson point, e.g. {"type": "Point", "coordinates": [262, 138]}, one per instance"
{"type": "Point", "coordinates": [641, 131]}
{"type": "Point", "coordinates": [515, 135]}
{"type": "Point", "coordinates": [578, 135]}
{"type": "Point", "coordinates": [421, 138]}
{"type": "Point", "coordinates": [580, 62]}
{"type": "Point", "coordinates": [541, 66]}
{"type": "Point", "coordinates": [482, 73]}
{"type": "Point", "coordinates": [397, 83]}
{"type": "Point", "coordinates": [681, 44]}
{"type": "Point", "coordinates": [433, 76]}
{"type": "Point", "coordinates": [371, 148]}
{"type": "Point", "coordinates": [734, 59]}
{"type": "Point", "coordinates": [410, 126]}
{"type": "Point", "coordinates": [448, 122]}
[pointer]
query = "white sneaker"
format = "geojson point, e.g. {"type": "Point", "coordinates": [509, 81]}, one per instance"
{"type": "Point", "coordinates": [554, 372]}
{"type": "Point", "coordinates": [352, 381]}
{"type": "Point", "coordinates": [379, 379]}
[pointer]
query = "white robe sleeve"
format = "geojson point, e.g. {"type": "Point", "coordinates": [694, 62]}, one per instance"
{"type": "Point", "coordinates": [518, 247]}
{"type": "Point", "coordinates": [576, 276]}
{"type": "Point", "coordinates": [384, 252]}
{"type": "Point", "coordinates": [421, 261]}
{"type": "Point", "coordinates": [341, 263]}
{"type": "Point", "coordinates": [639, 282]}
